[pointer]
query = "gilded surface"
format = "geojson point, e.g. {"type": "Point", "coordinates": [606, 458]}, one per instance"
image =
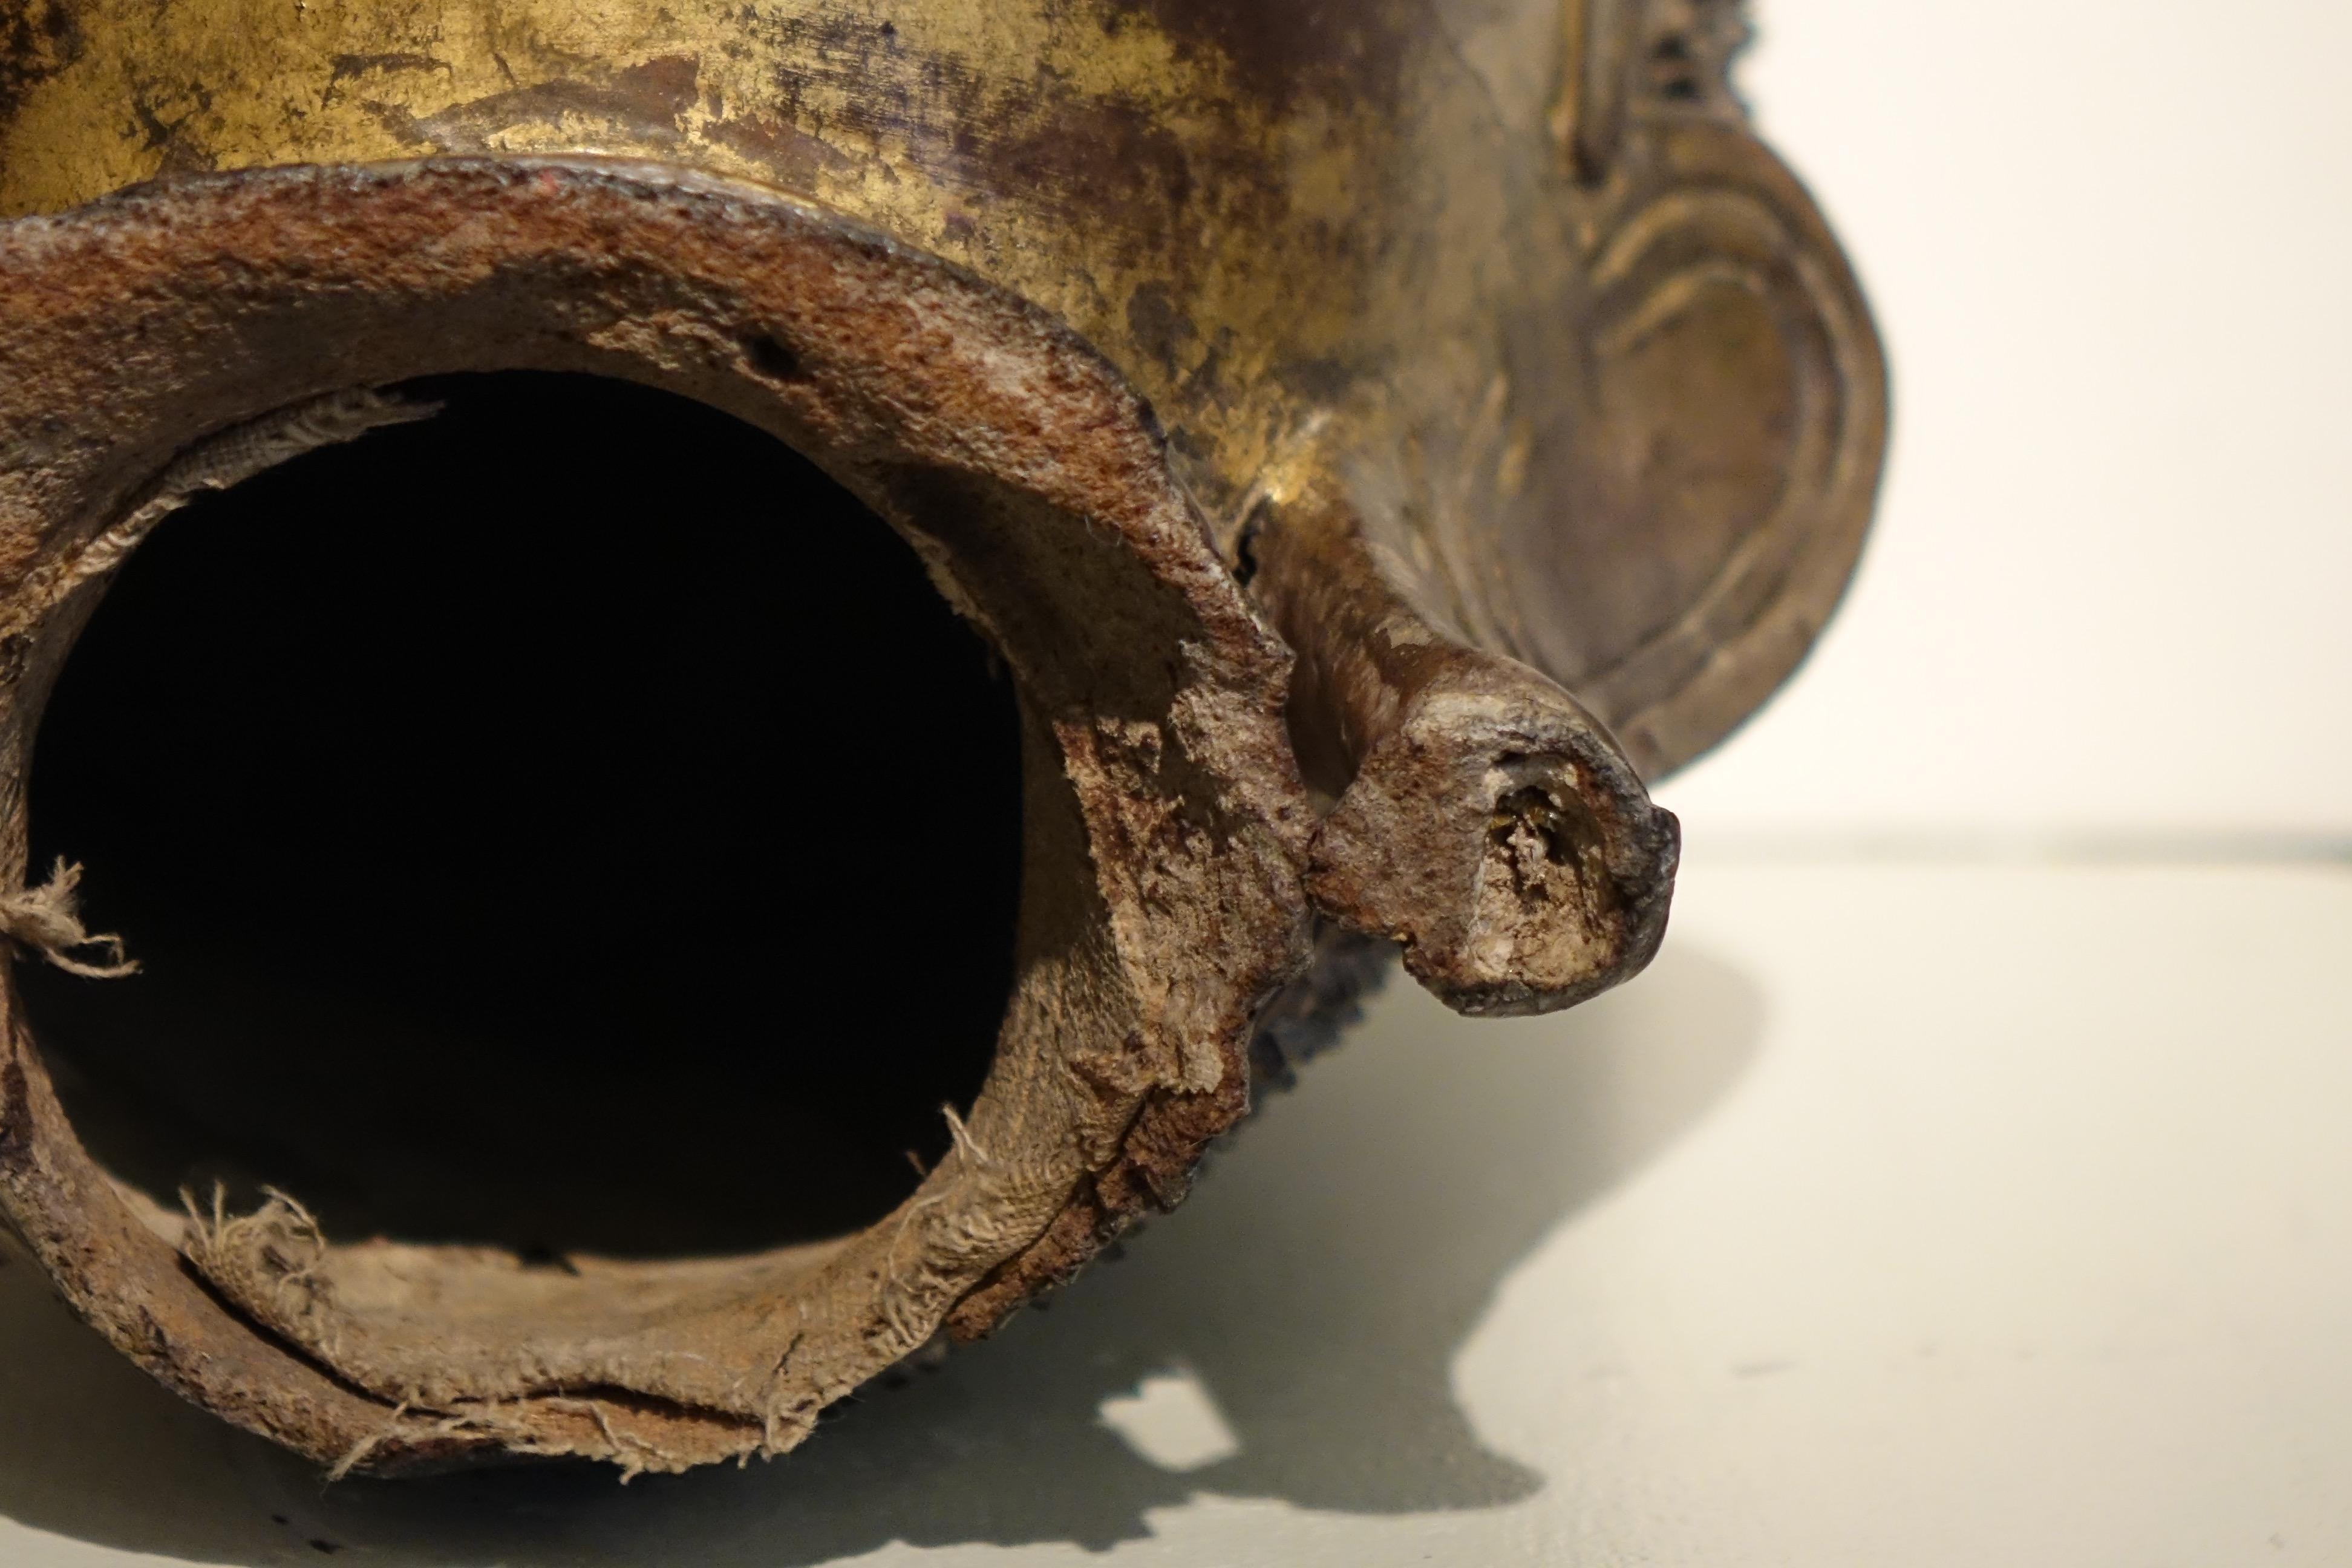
{"type": "Point", "coordinates": [1391, 213]}
{"type": "Point", "coordinates": [1088, 157]}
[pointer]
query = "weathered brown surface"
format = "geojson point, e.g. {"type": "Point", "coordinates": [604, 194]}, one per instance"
{"type": "Point", "coordinates": [1482, 819]}
{"type": "Point", "coordinates": [1163, 816]}
{"type": "Point", "coordinates": [1470, 351]}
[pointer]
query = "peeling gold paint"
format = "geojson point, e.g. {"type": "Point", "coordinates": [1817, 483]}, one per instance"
{"type": "Point", "coordinates": [1146, 167]}
{"type": "Point", "coordinates": [1355, 217]}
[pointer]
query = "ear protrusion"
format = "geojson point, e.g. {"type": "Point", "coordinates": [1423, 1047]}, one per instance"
{"type": "Point", "coordinates": [1482, 819]}
{"type": "Point", "coordinates": [1740, 410]}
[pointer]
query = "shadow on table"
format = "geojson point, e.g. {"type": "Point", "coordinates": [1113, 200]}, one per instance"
{"type": "Point", "coordinates": [1317, 1286]}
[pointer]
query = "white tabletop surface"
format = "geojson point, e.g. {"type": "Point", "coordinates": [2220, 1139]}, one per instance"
{"type": "Point", "coordinates": [1906, 1214]}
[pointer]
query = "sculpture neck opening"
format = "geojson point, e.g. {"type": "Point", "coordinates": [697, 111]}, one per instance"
{"type": "Point", "coordinates": [523, 819]}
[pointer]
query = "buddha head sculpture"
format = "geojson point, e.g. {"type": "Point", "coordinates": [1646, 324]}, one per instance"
{"type": "Point", "coordinates": [1373, 439]}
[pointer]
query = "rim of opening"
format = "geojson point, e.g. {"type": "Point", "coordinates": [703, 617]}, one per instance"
{"type": "Point", "coordinates": [1024, 471]}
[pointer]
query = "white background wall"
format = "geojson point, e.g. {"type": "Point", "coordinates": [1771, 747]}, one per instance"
{"type": "Point", "coordinates": [2110, 244]}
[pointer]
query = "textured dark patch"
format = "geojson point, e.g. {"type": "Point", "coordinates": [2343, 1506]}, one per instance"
{"type": "Point", "coordinates": [1340, 48]}
{"type": "Point", "coordinates": [649, 99]}
{"type": "Point", "coordinates": [1097, 164]}
{"type": "Point", "coordinates": [1113, 167]}
{"type": "Point", "coordinates": [791, 156]}
{"type": "Point", "coordinates": [1098, 156]}
{"type": "Point", "coordinates": [15, 1117]}
{"type": "Point", "coordinates": [399, 122]}
{"type": "Point", "coordinates": [176, 153]}
{"type": "Point", "coordinates": [348, 68]}
{"type": "Point", "coordinates": [1161, 327]}
{"type": "Point", "coordinates": [37, 39]}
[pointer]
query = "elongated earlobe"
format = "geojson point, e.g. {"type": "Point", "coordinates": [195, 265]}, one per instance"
{"type": "Point", "coordinates": [1736, 416]}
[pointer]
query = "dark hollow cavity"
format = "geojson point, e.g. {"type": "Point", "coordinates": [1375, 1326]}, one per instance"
{"type": "Point", "coordinates": [572, 823]}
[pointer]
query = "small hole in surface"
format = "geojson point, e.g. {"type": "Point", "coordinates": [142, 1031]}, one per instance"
{"type": "Point", "coordinates": [775, 359]}
{"type": "Point", "coordinates": [572, 823]}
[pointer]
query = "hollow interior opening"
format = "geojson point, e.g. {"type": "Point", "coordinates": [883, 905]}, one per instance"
{"type": "Point", "coordinates": [572, 823]}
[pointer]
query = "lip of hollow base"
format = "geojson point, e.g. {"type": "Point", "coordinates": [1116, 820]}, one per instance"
{"type": "Point", "coordinates": [494, 806]}
{"type": "Point", "coordinates": [1034, 491]}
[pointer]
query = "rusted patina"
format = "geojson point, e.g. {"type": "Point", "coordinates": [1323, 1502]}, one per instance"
{"type": "Point", "coordinates": [1376, 438]}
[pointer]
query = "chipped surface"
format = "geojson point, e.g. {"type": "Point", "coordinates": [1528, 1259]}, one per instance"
{"type": "Point", "coordinates": [1479, 338]}
{"type": "Point", "coordinates": [1040, 496]}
